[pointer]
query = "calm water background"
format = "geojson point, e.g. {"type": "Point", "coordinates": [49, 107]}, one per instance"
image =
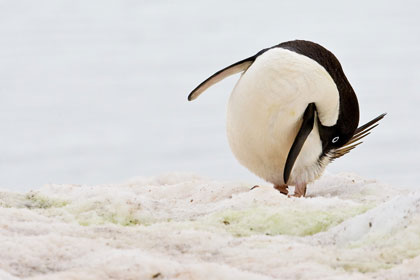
{"type": "Point", "coordinates": [95, 91]}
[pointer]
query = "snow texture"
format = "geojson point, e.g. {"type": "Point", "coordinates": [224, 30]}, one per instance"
{"type": "Point", "coordinates": [182, 226]}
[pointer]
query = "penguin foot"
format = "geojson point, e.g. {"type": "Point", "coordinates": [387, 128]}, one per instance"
{"type": "Point", "coordinates": [300, 190]}
{"type": "Point", "coordinates": [282, 188]}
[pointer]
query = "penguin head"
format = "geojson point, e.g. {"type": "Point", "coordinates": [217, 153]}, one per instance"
{"type": "Point", "coordinates": [338, 137]}
{"type": "Point", "coordinates": [341, 138]}
{"type": "Point", "coordinates": [333, 137]}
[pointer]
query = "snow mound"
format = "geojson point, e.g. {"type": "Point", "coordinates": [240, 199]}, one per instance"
{"type": "Point", "coordinates": [182, 226]}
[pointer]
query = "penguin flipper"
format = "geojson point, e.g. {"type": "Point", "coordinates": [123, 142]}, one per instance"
{"type": "Point", "coordinates": [235, 68]}
{"type": "Point", "coordinates": [303, 133]}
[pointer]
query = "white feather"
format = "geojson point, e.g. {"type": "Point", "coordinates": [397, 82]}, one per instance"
{"type": "Point", "coordinates": [265, 113]}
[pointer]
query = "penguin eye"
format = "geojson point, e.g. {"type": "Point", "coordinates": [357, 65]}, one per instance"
{"type": "Point", "coordinates": [335, 139]}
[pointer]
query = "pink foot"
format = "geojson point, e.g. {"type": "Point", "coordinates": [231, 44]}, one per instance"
{"type": "Point", "coordinates": [300, 190]}
{"type": "Point", "coordinates": [283, 189]}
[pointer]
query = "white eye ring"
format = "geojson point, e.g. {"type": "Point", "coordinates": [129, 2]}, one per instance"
{"type": "Point", "coordinates": [335, 139]}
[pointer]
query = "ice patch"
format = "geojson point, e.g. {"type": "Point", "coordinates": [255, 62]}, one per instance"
{"type": "Point", "coordinates": [182, 226]}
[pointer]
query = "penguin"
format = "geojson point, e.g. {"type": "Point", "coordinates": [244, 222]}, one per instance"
{"type": "Point", "coordinates": [291, 113]}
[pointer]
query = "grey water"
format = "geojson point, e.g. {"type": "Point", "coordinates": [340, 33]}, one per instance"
{"type": "Point", "coordinates": [95, 92]}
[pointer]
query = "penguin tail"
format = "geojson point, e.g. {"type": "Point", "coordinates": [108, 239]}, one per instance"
{"type": "Point", "coordinates": [359, 133]}
{"type": "Point", "coordinates": [235, 68]}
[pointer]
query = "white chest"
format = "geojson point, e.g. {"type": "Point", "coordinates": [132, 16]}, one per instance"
{"type": "Point", "coordinates": [265, 113]}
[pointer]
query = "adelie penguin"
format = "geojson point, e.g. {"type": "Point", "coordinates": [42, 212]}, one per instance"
{"type": "Point", "coordinates": [291, 113]}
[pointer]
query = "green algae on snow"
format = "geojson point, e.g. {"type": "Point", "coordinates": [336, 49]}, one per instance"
{"type": "Point", "coordinates": [101, 217]}
{"type": "Point", "coordinates": [88, 212]}
{"type": "Point", "coordinates": [287, 221]}
{"type": "Point", "coordinates": [104, 211]}
{"type": "Point", "coordinates": [36, 200]}
{"type": "Point", "coordinates": [31, 200]}
{"type": "Point", "coordinates": [12, 200]}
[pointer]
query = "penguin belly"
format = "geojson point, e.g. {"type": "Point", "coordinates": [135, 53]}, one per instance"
{"type": "Point", "coordinates": [265, 112]}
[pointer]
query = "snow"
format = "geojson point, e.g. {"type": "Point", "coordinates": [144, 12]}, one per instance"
{"type": "Point", "coordinates": [183, 226]}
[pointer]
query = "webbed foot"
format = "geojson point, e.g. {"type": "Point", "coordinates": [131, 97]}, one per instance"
{"type": "Point", "coordinates": [283, 189]}
{"type": "Point", "coordinates": [300, 190]}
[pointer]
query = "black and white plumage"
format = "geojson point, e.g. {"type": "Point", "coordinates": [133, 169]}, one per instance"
{"type": "Point", "coordinates": [291, 113]}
